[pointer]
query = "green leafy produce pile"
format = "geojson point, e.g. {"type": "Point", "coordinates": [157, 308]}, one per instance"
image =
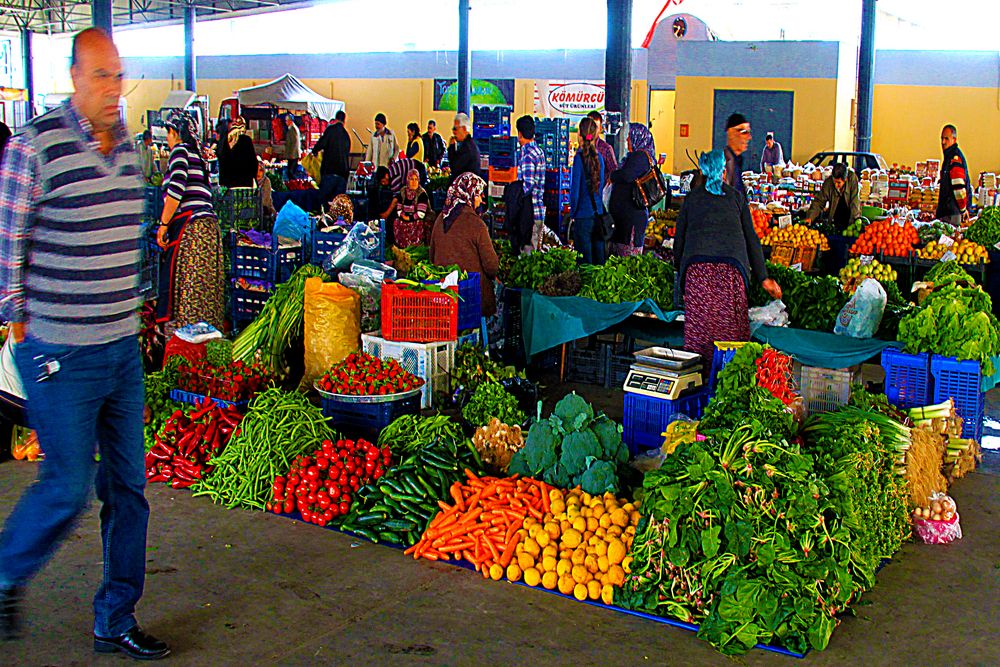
{"type": "Point", "coordinates": [934, 231]}
{"type": "Point", "coordinates": [424, 270]}
{"type": "Point", "coordinates": [760, 541]}
{"type": "Point", "coordinates": [986, 229]}
{"type": "Point", "coordinates": [633, 278]}
{"type": "Point", "coordinates": [491, 400]}
{"type": "Point", "coordinates": [739, 399]}
{"type": "Point", "coordinates": [531, 270]}
{"type": "Point", "coordinates": [945, 273]}
{"type": "Point", "coordinates": [954, 320]}
{"type": "Point", "coordinates": [896, 308]}
{"type": "Point", "coordinates": [813, 302]}
{"type": "Point", "coordinates": [573, 447]}
{"type": "Point", "coordinates": [562, 284]}
{"type": "Point", "coordinates": [473, 367]}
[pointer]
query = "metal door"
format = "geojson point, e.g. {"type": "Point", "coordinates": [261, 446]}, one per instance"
{"type": "Point", "coordinates": [767, 111]}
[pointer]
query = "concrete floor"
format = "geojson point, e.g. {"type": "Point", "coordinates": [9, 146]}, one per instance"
{"type": "Point", "coordinates": [240, 588]}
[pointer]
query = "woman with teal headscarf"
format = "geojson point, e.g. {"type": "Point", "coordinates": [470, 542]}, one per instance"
{"type": "Point", "coordinates": [717, 253]}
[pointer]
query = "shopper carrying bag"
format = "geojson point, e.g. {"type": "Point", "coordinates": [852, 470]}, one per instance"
{"type": "Point", "coordinates": [591, 226]}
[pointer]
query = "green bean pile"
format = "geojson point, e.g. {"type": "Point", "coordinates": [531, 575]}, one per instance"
{"type": "Point", "coordinates": [278, 427]}
{"type": "Point", "coordinates": [410, 433]}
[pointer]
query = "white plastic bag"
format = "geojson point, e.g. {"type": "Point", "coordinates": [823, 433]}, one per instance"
{"type": "Point", "coordinates": [360, 241]}
{"type": "Point", "coordinates": [862, 315]}
{"type": "Point", "coordinates": [773, 314]}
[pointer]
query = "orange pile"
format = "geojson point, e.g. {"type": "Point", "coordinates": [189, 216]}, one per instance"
{"type": "Point", "coordinates": [761, 222]}
{"type": "Point", "coordinates": [887, 237]}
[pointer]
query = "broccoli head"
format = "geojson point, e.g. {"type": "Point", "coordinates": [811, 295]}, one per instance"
{"type": "Point", "coordinates": [578, 449]}
{"type": "Point", "coordinates": [540, 449]}
{"type": "Point", "coordinates": [573, 413]}
{"type": "Point", "coordinates": [557, 477]}
{"type": "Point", "coordinates": [609, 434]}
{"type": "Point", "coordinates": [600, 478]}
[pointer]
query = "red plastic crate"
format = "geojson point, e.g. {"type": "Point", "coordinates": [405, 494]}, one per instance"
{"type": "Point", "coordinates": [418, 316]}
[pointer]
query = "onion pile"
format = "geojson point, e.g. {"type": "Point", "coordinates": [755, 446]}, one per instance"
{"type": "Point", "coordinates": [942, 509]}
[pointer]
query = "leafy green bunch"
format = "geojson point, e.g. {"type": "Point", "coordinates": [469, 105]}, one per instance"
{"type": "Point", "coordinates": [632, 278]}
{"type": "Point", "coordinates": [573, 447]}
{"type": "Point", "coordinates": [491, 400]}
{"type": "Point", "coordinates": [986, 229]}
{"type": "Point", "coordinates": [531, 270]}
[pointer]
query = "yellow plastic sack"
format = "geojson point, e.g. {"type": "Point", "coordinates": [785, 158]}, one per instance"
{"type": "Point", "coordinates": [332, 326]}
{"type": "Point", "coordinates": [311, 163]}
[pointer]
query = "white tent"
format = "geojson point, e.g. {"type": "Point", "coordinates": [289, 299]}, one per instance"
{"type": "Point", "coordinates": [289, 93]}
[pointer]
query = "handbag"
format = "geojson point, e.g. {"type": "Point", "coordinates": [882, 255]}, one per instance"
{"type": "Point", "coordinates": [604, 224]}
{"type": "Point", "coordinates": [650, 188]}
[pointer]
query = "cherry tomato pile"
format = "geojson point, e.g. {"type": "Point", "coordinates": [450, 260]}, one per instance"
{"type": "Point", "coordinates": [322, 486]}
{"type": "Point", "coordinates": [187, 442]}
{"type": "Point", "coordinates": [236, 382]}
{"type": "Point", "coordinates": [774, 373]}
{"type": "Point", "coordinates": [361, 374]}
{"type": "Point", "coordinates": [887, 237]}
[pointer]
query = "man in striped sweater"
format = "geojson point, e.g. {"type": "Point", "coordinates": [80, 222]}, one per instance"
{"type": "Point", "coordinates": [955, 189]}
{"type": "Point", "coordinates": [71, 201]}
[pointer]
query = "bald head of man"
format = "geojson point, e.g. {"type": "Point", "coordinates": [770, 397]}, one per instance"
{"type": "Point", "coordinates": [97, 78]}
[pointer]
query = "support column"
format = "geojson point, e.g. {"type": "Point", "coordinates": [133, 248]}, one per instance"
{"type": "Point", "coordinates": [618, 70]}
{"type": "Point", "coordinates": [464, 59]}
{"type": "Point", "coordinates": [29, 74]}
{"type": "Point", "coordinates": [866, 77]}
{"type": "Point", "coordinates": [190, 71]}
{"type": "Point", "coordinates": [100, 12]}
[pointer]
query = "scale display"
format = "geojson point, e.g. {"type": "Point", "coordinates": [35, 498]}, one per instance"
{"type": "Point", "coordinates": [658, 383]}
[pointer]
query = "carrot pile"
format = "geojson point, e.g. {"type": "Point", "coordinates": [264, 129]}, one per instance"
{"type": "Point", "coordinates": [483, 523]}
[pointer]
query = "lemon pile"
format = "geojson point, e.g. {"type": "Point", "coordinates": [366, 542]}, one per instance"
{"type": "Point", "coordinates": [579, 548]}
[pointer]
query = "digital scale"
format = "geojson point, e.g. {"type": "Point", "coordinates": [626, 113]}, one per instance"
{"type": "Point", "coordinates": [662, 372]}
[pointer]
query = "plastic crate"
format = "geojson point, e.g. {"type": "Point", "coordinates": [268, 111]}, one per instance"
{"type": "Point", "coordinates": [181, 396]}
{"type": "Point", "coordinates": [646, 418]}
{"type": "Point", "coordinates": [557, 179]}
{"type": "Point", "coordinates": [962, 382]}
{"type": "Point", "coordinates": [619, 366]}
{"type": "Point", "coordinates": [511, 344]}
{"type": "Point", "coordinates": [470, 302]}
{"type": "Point", "coordinates": [723, 354]}
{"type": "Point", "coordinates": [587, 366]}
{"type": "Point", "coordinates": [149, 264]}
{"type": "Point", "coordinates": [431, 362]}
{"type": "Point", "coordinates": [555, 199]}
{"type": "Point", "coordinates": [503, 152]}
{"type": "Point", "coordinates": [908, 382]}
{"type": "Point", "coordinates": [418, 316]}
{"type": "Point", "coordinates": [368, 419]}
{"type": "Point", "coordinates": [274, 265]}
{"type": "Point", "coordinates": [324, 244]}
{"type": "Point", "coordinates": [238, 208]}
{"type": "Point", "coordinates": [491, 115]}
{"type": "Point", "coordinates": [246, 304]}
{"type": "Point", "coordinates": [825, 389]}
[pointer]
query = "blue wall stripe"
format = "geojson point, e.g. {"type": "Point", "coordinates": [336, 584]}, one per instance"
{"type": "Point", "coordinates": [780, 60]}
{"type": "Point", "coordinates": [969, 69]}
{"type": "Point", "coordinates": [575, 64]}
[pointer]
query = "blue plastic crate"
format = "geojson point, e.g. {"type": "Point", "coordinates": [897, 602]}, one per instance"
{"type": "Point", "coordinates": [719, 360]}
{"type": "Point", "coordinates": [484, 145]}
{"type": "Point", "coordinates": [181, 396]}
{"type": "Point", "coordinates": [908, 382]}
{"type": "Point", "coordinates": [961, 381]}
{"type": "Point", "coordinates": [646, 418]}
{"type": "Point", "coordinates": [274, 264]}
{"type": "Point", "coordinates": [503, 152]}
{"type": "Point", "coordinates": [246, 304]}
{"type": "Point", "coordinates": [149, 266]}
{"type": "Point", "coordinates": [547, 125]}
{"type": "Point", "coordinates": [470, 303]}
{"type": "Point", "coordinates": [491, 115]}
{"type": "Point", "coordinates": [557, 179]}
{"type": "Point", "coordinates": [323, 245]}
{"type": "Point", "coordinates": [555, 199]}
{"type": "Point", "coordinates": [368, 419]}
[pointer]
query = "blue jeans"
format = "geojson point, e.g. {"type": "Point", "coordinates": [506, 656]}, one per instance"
{"type": "Point", "coordinates": [587, 242]}
{"type": "Point", "coordinates": [330, 186]}
{"type": "Point", "coordinates": [92, 404]}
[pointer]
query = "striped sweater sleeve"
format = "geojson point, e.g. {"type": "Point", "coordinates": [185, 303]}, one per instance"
{"type": "Point", "coordinates": [177, 173]}
{"type": "Point", "coordinates": [958, 176]}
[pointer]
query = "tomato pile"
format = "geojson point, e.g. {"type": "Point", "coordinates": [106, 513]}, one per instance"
{"type": "Point", "coordinates": [321, 486]}
{"type": "Point", "coordinates": [774, 373]}
{"type": "Point", "coordinates": [361, 374]}
{"type": "Point", "coordinates": [187, 442]}
{"type": "Point", "coordinates": [235, 382]}
{"type": "Point", "coordinates": [887, 237]}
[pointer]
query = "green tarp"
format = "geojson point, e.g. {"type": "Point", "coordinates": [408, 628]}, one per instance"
{"type": "Point", "coordinates": [821, 349]}
{"type": "Point", "coordinates": [550, 321]}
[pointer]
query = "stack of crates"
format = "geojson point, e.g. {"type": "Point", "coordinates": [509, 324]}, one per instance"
{"type": "Point", "coordinates": [502, 152]}
{"type": "Point", "coordinates": [489, 122]}
{"type": "Point", "coordinates": [557, 185]}
{"type": "Point", "coordinates": [238, 208]}
{"type": "Point", "coordinates": [552, 136]}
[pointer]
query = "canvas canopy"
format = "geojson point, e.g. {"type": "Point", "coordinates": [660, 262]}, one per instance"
{"type": "Point", "coordinates": [289, 93]}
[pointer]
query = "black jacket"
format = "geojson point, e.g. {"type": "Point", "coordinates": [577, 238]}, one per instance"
{"type": "Point", "coordinates": [626, 214]}
{"type": "Point", "coordinates": [947, 205]}
{"type": "Point", "coordinates": [237, 165]}
{"type": "Point", "coordinates": [519, 215]}
{"type": "Point", "coordinates": [462, 157]}
{"type": "Point", "coordinates": [718, 228]}
{"type": "Point", "coordinates": [434, 149]}
{"type": "Point", "coordinates": [336, 146]}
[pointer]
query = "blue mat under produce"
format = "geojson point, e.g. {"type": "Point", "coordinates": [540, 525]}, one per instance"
{"type": "Point", "coordinates": [551, 321]}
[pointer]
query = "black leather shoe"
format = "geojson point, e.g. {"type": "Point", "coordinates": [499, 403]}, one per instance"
{"type": "Point", "coordinates": [10, 613]}
{"type": "Point", "coordinates": [135, 644]}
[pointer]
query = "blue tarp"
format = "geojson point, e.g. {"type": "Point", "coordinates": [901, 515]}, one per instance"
{"type": "Point", "coordinates": [550, 321]}
{"type": "Point", "coordinates": [821, 349]}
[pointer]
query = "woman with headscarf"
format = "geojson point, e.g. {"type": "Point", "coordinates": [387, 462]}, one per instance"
{"type": "Point", "coordinates": [192, 281]}
{"type": "Point", "coordinates": [237, 157]}
{"type": "Point", "coordinates": [586, 196]}
{"type": "Point", "coordinates": [460, 237]}
{"type": "Point", "coordinates": [717, 254]}
{"type": "Point", "coordinates": [412, 226]}
{"type": "Point", "coordinates": [631, 219]}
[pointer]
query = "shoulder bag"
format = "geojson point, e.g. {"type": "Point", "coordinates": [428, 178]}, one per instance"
{"type": "Point", "coordinates": [650, 188]}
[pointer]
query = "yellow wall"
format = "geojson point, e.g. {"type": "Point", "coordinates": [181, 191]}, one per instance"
{"type": "Point", "coordinates": [813, 124]}
{"type": "Point", "coordinates": [907, 122]}
{"type": "Point", "coordinates": [401, 100]}
{"type": "Point", "coordinates": [661, 118]}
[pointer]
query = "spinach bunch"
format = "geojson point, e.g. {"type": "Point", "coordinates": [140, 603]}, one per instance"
{"type": "Point", "coordinates": [632, 278]}
{"type": "Point", "coordinates": [531, 270]}
{"type": "Point", "coordinates": [986, 229]}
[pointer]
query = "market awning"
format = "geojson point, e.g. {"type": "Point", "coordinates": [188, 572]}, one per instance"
{"type": "Point", "coordinates": [289, 93]}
